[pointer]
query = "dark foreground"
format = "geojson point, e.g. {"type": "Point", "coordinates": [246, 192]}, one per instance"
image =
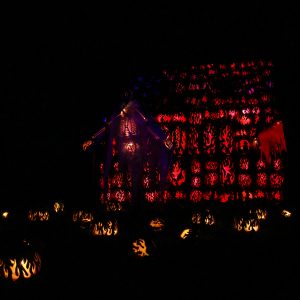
{"type": "Point", "coordinates": [208, 264]}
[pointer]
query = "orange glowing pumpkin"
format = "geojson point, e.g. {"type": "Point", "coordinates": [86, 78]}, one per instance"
{"type": "Point", "coordinates": [22, 263]}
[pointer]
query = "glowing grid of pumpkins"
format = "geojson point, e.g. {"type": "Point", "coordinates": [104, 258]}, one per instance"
{"type": "Point", "coordinates": [23, 266]}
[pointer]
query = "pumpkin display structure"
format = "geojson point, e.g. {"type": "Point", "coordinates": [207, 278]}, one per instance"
{"type": "Point", "coordinates": [226, 139]}
{"type": "Point", "coordinates": [19, 262]}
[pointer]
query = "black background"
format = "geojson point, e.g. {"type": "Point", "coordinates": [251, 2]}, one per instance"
{"type": "Point", "coordinates": [65, 67]}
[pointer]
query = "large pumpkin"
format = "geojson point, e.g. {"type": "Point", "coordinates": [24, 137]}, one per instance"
{"type": "Point", "coordinates": [19, 261]}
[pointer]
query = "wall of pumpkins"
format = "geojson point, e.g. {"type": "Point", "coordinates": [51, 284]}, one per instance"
{"type": "Point", "coordinates": [226, 134]}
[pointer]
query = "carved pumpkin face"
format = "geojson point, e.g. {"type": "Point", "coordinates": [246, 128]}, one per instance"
{"type": "Point", "coordinates": [25, 264]}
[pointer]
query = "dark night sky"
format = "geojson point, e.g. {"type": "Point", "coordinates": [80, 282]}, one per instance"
{"type": "Point", "coordinates": [61, 65]}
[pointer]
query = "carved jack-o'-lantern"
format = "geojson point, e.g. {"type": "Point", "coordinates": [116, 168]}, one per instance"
{"type": "Point", "coordinates": [185, 233]}
{"type": "Point", "coordinates": [4, 214]}
{"type": "Point", "coordinates": [38, 215]}
{"type": "Point", "coordinates": [107, 228]}
{"type": "Point", "coordinates": [113, 206]}
{"type": "Point", "coordinates": [286, 213]}
{"type": "Point", "coordinates": [206, 218]}
{"type": "Point", "coordinates": [196, 218]}
{"type": "Point", "coordinates": [58, 207]}
{"type": "Point", "coordinates": [259, 213]}
{"type": "Point", "coordinates": [22, 263]}
{"type": "Point", "coordinates": [139, 248]}
{"type": "Point", "coordinates": [209, 218]}
{"type": "Point", "coordinates": [84, 218]}
{"type": "Point", "coordinates": [157, 224]}
{"type": "Point", "coordinates": [246, 224]}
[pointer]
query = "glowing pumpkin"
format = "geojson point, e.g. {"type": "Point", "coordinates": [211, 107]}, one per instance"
{"type": "Point", "coordinates": [24, 265]}
{"type": "Point", "coordinates": [84, 218]}
{"type": "Point", "coordinates": [260, 213]}
{"type": "Point", "coordinates": [285, 213]}
{"type": "Point", "coordinates": [108, 228]}
{"type": "Point", "coordinates": [113, 206]}
{"type": "Point", "coordinates": [139, 248]}
{"type": "Point", "coordinates": [157, 224]}
{"type": "Point", "coordinates": [246, 224]}
{"type": "Point", "coordinates": [4, 214]}
{"type": "Point", "coordinates": [38, 215]}
{"type": "Point", "coordinates": [58, 207]}
{"type": "Point", "coordinates": [206, 218]}
{"type": "Point", "coordinates": [185, 233]}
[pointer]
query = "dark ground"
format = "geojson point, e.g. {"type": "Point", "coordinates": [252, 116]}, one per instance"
{"type": "Point", "coordinates": [217, 263]}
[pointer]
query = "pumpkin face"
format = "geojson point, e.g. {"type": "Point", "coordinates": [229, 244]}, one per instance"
{"type": "Point", "coordinates": [24, 265]}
